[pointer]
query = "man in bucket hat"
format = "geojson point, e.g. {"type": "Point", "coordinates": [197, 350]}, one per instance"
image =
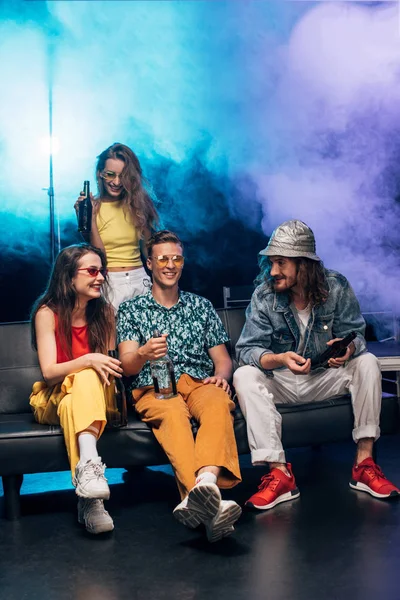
{"type": "Point", "coordinates": [297, 312]}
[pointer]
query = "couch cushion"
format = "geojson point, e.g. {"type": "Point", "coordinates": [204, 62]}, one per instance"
{"type": "Point", "coordinates": [16, 386]}
{"type": "Point", "coordinates": [316, 423]}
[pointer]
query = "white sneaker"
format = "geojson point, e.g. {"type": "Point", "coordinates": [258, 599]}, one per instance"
{"type": "Point", "coordinates": [89, 480]}
{"type": "Point", "coordinates": [201, 505]}
{"type": "Point", "coordinates": [92, 514]}
{"type": "Point", "coordinates": [222, 524]}
{"type": "Point", "coordinates": [187, 517]}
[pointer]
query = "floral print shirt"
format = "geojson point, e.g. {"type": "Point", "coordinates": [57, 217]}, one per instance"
{"type": "Point", "coordinates": [192, 325]}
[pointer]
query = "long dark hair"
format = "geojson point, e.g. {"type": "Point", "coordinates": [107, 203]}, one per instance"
{"type": "Point", "coordinates": [310, 277]}
{"type": "Point", "coordinates": [60, 297]}
{"type": "Point", "coordinates": [135, 197]}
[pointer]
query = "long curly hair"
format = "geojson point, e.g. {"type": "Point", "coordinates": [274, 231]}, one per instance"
{"type": "Point", "coordinates": [135, 196]}
{"type": "Point", "coordinates": [310, 277]}
{"type": "Point", "coordinates": [60, 296]}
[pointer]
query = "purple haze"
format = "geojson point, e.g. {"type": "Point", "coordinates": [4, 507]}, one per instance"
{"type": "Point", "coordinates": [334, 143]}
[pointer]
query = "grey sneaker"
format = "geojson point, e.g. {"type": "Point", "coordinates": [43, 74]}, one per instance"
{"type": "Point", "coordinates": [89, 480]}
{"type": "Point", "coordinates": [92, 514]}
{"type": "Point", "coordinates": [221, 525]}
{"type": "Point", "coordinates": [201, 505]}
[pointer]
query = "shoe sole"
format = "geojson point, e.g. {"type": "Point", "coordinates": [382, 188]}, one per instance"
{"type": "Point", "coordinates": [103, 529]}
{"type": "Point", "coordinates": [283, 498]}
{"type": "Point", "coordinates": [224, 526]}
{"type": "Point", "coordinates": [362, 487]}
{"type": "Point", "coordinates": [187, 517]}
{"type": "Point", "coordinates": [204, 500]}
{"type": "Point", "coordinates": [202, 505]}
{"type": "Point", "coordinates": [82, 493]}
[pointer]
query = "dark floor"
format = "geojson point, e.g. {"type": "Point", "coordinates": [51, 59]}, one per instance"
{"type": "Point", "coordinates": [331, 543]}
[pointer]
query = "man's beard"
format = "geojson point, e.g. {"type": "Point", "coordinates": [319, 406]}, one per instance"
{"type": "Point", "coordinates": [289, 284]}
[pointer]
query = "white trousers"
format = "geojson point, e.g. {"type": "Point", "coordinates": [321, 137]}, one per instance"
{"type": "Point", "coordinates": [258, 394]}
{"type": "Point", "coordinates": [124, 285]}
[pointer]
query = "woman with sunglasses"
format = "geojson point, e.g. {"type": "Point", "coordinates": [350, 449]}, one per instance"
{"type": "Point", "coordinates": [73, 327]}
{"type": "Point", "coordinates": [124, 216]}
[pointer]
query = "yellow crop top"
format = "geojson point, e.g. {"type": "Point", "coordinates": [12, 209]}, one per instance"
{"type": "Point", "coordinates": [119, 235]}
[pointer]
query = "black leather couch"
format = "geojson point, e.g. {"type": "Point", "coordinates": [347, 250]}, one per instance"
{"type": "Point", "coordinates": [26, 447]}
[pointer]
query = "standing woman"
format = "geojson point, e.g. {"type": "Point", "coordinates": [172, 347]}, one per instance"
{"type": "Point", "coordinates": [72, 329]}
{"type": "Point", "coordinates": [124, 216]}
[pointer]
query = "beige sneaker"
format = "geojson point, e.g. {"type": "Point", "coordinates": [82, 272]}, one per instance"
{"type": "Point", "coordinates": [92, 514]}
{"type": "Point", "coordinates": [89, 480]}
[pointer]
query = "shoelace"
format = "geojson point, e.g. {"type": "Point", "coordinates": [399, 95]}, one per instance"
{"type": "Point", "coordinates": [374, 471]}
{"type": "Point", "coordinates": [97, 469]}
{"type": "Point", "coordinates": [265, 481]}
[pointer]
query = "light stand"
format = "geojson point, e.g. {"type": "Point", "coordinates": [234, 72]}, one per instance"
{"type": "Point", "coordinates": [55, 244]}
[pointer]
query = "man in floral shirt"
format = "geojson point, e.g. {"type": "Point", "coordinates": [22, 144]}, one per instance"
{"type": "Point", "coordinates": [194, 338]}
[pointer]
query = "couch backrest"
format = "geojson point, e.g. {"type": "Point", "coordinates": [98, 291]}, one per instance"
{"type": "Point", "coordinates": [19, 367]}
{"type": "Point", "coordinates": [233, 320]}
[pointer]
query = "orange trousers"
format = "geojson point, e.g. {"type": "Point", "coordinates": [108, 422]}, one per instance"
{"type": "Point", "coordinates": [215, 442]}
{"type": "Point", "coordinates": [74, 404]}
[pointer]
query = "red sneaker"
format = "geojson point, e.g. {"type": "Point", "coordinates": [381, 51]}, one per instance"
{"type": "Point", "coordinates": [368, 477]}
{"type": "Point", "coordinates": [276, 487]}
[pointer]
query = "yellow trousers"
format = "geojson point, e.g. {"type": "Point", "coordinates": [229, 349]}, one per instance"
{"type": "Point", "coordinates": [215, 442]}
{"type": "Point", "coordinates": [74, 404]}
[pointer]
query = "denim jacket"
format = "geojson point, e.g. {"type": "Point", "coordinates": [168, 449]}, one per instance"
{"type": "Point", "coordinates": [271, 326]}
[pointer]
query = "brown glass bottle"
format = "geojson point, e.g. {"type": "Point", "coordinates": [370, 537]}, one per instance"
{"type": "Point", "coordinates": [116, 409]}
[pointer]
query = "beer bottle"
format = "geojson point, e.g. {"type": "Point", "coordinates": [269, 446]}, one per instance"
{"type": "Point", "coordinates": [116, 409]}
{"type": "Point", "coordinates": [85, 210]}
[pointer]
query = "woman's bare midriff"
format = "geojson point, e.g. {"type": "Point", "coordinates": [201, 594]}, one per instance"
{"type": "Point", "coordinates": [121, 269]}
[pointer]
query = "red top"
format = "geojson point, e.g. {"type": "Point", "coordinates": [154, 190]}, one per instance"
{"type": "Point", "coordinates": [80, 342]}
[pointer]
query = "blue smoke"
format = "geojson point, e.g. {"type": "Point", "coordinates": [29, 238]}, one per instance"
{"type": "Point", "coordinates": [243, 114]}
